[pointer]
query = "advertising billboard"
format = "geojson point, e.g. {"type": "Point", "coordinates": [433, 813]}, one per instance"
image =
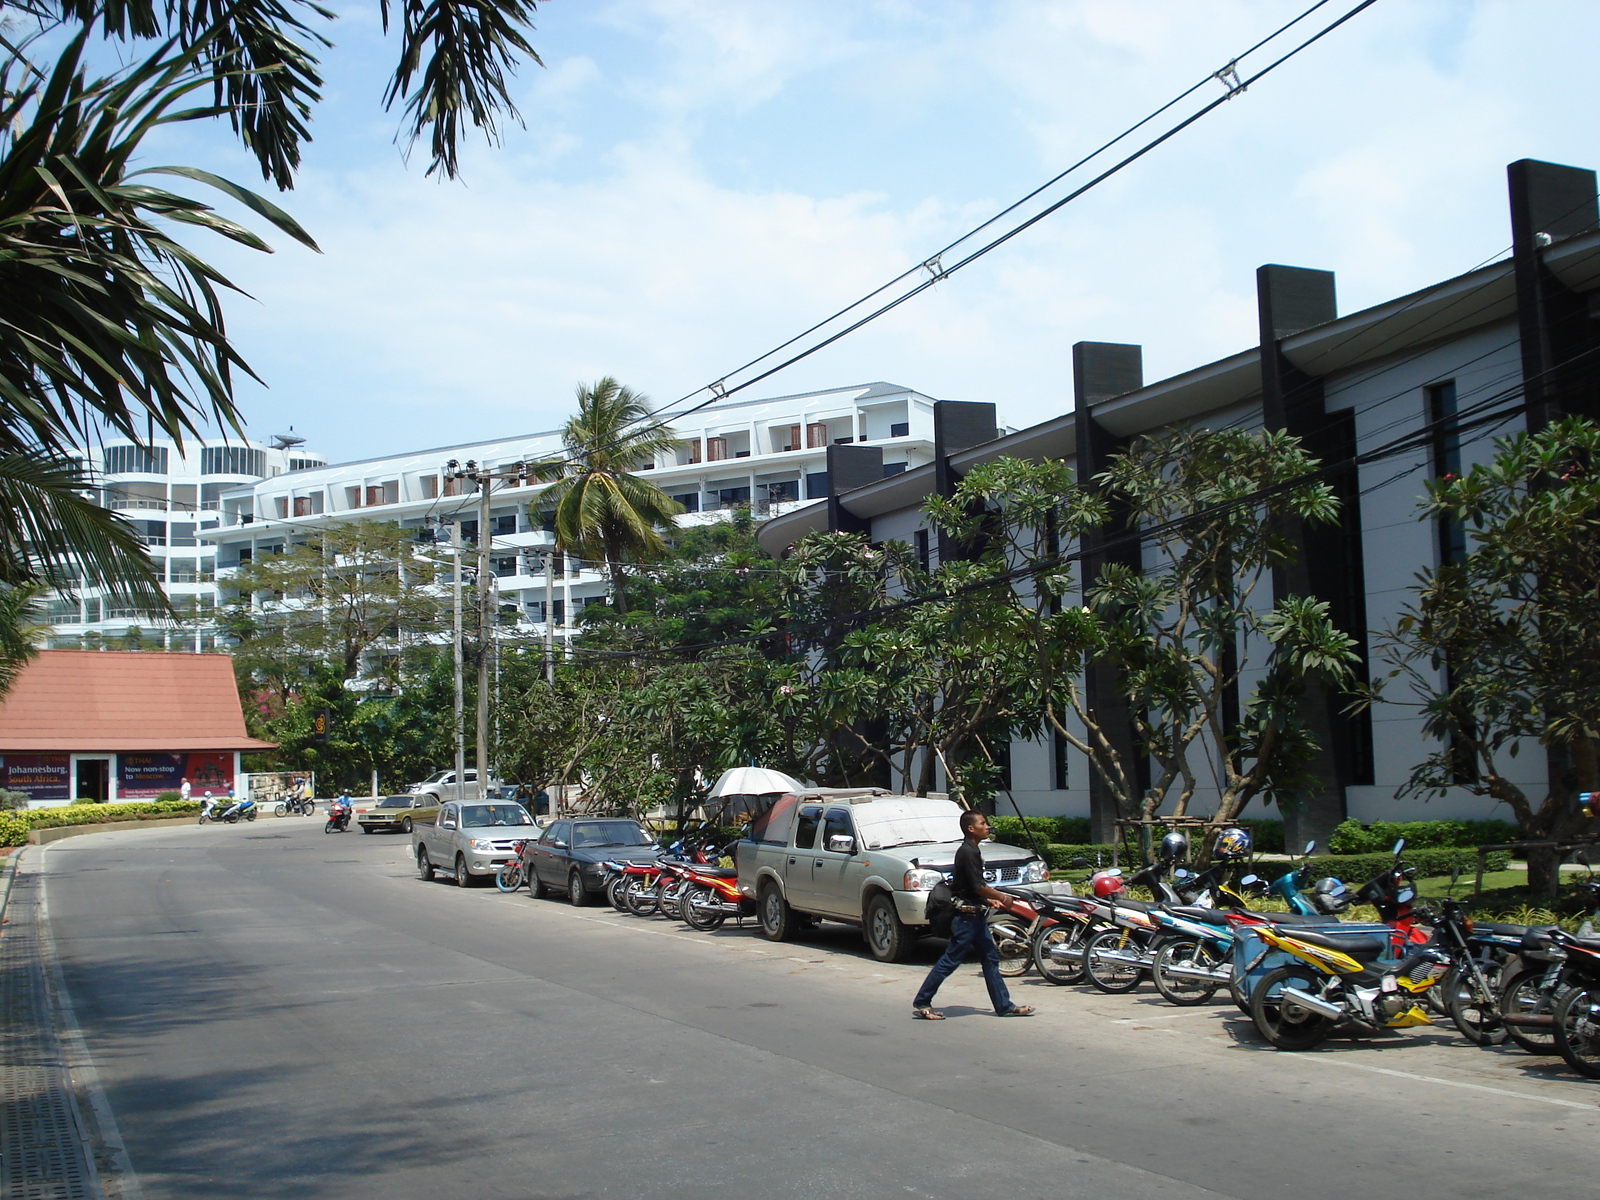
{"type": "Point", "coordinates": [144, 776]}
{"type": "Point", "coordinates": [37, 776]}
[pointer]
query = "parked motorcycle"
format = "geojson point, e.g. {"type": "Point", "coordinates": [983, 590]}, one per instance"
{"type": "Point", "coordinates": [710, 896]}
{"type": "Point", "coordinates": [1352, 979]}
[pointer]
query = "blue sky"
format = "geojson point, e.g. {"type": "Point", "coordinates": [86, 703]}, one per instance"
{"type": "Point", "coordinates": [698, 180]}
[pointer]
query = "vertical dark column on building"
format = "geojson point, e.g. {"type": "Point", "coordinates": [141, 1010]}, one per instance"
{"type": "Point", "coordinates": [1555, 326]}
{"type": "Point", "coordinates": [1330, 565]}
{"type": "Point", "coordinates": [1100, 372]}
{"type": "Point", "coordinates": [957, 425]}
{"type": "Point", "coordinates": [1550, 203]}
{"type": "Point", "coordinates": [850, 467]}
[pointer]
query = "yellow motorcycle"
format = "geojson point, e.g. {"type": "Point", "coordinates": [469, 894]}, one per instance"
{"type": "Point", "coordinates": [1352, 979]}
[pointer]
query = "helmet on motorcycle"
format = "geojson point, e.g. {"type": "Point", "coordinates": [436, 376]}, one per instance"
{"type": "Point", "coordinates": [1329, 896]}
{"type": "Point", "coordinates": [1233, 843]}
{"type": "Point", "coordinates": [1174, 848]}
{"type": "Point", "coordinates": [1106, 883]}
{"type": "Point", "coordinates": [1590, 802]}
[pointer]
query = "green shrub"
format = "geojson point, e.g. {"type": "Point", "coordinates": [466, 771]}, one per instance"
{"type": "Point", "coordinates": [1060, 855]}
{"type": "Point", "coordinates": [1351, 837]}
{"type": "Point", "coordinates": [87, 800]}
{"type": "Point", "coordinates": [169, 798]}
{"type": "Point", "coordinates": [13, 829]}
{"type": "Point", "coordinates": [1010, 829]}
{"type": "Point", "coordinates": [1356, 869]}
{"type": "Point", "coordinates": [10, 799]}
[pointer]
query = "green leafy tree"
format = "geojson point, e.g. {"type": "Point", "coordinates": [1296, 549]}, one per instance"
{"type": "Point", "coordinates": [602, 509]}
{"type": "Point", "coordinates": [350, 598]}
{"type": "Point", "coordinates": [1501, 649]}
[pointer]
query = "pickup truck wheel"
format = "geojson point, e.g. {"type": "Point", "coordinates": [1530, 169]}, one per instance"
{"type": "Point", "coordinates": [577, 894]}
{"type": "Point", "coordinates": [405, 826]}
{"type": "Point", "coordinates": [777, 918]}
{"type": "Point", "coordinates": [887, 937]}
{"type": "Point", "coordinates": [463, 876]}
{"type": "Point", "coordinates": [424, 865]}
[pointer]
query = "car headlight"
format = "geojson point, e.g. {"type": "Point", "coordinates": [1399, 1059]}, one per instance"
{"type": "Point", "coordinates": [1035, 872]}
{"type": "Point", "coordinates": [921, 880]}
{"type": "Point", "coordinates": [482, 844]}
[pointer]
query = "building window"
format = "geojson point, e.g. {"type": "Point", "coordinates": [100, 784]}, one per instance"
{"type": "Point", "coordinates": [690, 501]}
{"type": "Point", "coordinates": [305, 464]}
{"type": "Point", "coordinates": [1447, 465]}
{"type": "Point", "coordinates": [900, 429]}
{"type": "Point", "coordinates": [503, 524]}
{"type": "Point", "coordinates": [893, 469]}
{"type": "Point", "coordinates": [816, 436]}
{"type": "Point", "coordinates": [131, 460]}
{"type": "Point", "coordinates": [281, 503]}
{"type": "Point", "coordinates": [777, 493]}
{"type": "Point", "coordinates": [232, 460]}
{"type": "Point", "coordinates": [1058, 760]}
{"type": "Point", "coordinates": [716, 449]}
{"type": "Point", "coordinates": [920, 541]}
{"type": "Point", "coordinates": [817, 485]}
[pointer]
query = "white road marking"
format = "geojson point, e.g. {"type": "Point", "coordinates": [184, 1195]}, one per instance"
{"type": "Point", "coordinates": [1455, 1083]}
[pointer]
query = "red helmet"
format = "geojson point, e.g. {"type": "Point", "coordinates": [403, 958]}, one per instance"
{"type": "Point", "coordinates": [1106, 883]}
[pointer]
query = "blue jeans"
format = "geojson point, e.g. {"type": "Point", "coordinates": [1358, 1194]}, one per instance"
{"type": "Point", "coordinates": [968, 932]}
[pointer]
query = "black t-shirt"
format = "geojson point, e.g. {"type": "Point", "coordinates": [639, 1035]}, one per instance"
{"type": "Point", "coordinates": [968, 877]}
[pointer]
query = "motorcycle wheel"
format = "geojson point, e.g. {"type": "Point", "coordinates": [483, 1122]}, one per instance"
{"type": "Point", "coordinates": [614, 893]}
{"type": "Point", "coordinates": [282, 810]}
{"type": "Point", "coordinates": [1578, 1030]}
{"type": "Point", "coordinates": [698, 912]}
{"type": "Point", "coordinates": [639, 900]}
{"type": "Point", "coordinates": [1474, 1010]}
{"type": "Point", "coordinates": [1113, 978]}
{"type": "Point", "coordinates": [1524, 996]}
{"type": "Point", "coordinates": [251, 816]}
{"type": "Point", "coordinates": [667, 900]}
{"type": "Point", "coordinates": [1011, 939]}
{"type": "Point", "coordinates": [509, 877]}
{"type": "Point", "coordinates": [329, 827]}
{"type": "Point", "coordinates": [1186, 952]}
{"type": "Point", "coordinates": [1050, 969]}
{"type": "Point", "coordinates": [1288, 1026]}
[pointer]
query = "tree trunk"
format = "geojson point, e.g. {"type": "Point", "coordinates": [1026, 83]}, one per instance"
{"type": "Point", "coordinates": [1544, 875]}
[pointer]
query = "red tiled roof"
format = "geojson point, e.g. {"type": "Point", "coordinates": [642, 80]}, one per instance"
{"type": "Point", "coordinates": [93, 700]}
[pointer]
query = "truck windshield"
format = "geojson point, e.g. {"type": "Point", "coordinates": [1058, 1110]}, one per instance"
{"type": "Point", "coordinates": [474, 815]}
{"type": "Point", "coordinates": [887, 824]}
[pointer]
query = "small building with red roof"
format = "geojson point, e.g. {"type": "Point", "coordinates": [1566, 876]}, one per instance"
{"type": "Point", "coordinates": [121, 725]}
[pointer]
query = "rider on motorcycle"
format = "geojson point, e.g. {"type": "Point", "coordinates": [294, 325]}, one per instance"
{"type": "Point", "coordinates": [341, 808]}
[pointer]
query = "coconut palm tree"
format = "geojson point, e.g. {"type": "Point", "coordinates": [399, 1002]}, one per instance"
{"type": "Point", "coordinates": [602, 509]}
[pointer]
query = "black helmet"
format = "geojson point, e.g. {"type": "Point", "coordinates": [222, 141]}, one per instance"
{"type": "Point", "coordinates": [1174, 848]}
{"type": "Point", "coordinates": [1329, 896]}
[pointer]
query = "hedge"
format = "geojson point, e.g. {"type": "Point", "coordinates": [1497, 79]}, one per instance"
{"type": "Point", "coordinates": [1267, 835]}
{"type": "Point", "coordinates": [1351, 837]}
{"type": "Point", "coordinates": [16, 825]}
{"type": "Point", "coordinates": [1356, 869]}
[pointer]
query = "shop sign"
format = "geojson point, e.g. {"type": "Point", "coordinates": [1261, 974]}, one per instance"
{"type": "Point", "coordinates": [37, 776]}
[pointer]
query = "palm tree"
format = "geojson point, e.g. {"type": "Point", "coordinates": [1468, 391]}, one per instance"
{"type": "Point", "coordinates": [602, 510]}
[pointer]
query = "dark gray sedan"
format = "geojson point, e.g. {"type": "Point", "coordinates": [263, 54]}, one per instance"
{"type": "Point", "coordinates": [568, 857]}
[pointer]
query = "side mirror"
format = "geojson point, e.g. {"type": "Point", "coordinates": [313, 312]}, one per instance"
{"type": "Point", "coordinates": [1079, 864]}
{"type": "Point", "coordinates": [841, 843]}
{"type": "Point", "coordinates": [1581, 858]}
{"type": "Point", "coordinates": [1400, 844]}
{"type": "Point", "coordinates": [1310, 846]}
{"type": "Point", "coordinates": [1248, 880]}
{"type": "Point", "coordinates": [559, 845]}
{"type": "Point", "coordinates": [1180, 873]}
{"type": "Point", "coordinates": [1114, 872]}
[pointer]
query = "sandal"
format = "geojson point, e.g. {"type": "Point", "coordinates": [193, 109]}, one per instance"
{"type": "Point", "coordinates": [1018, 1010]}
{"type": "Point", "coordinates": [927, 1014]}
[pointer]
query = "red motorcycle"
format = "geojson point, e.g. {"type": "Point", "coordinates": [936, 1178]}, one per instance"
{"type": "Point", "coordinates": [711, 895]}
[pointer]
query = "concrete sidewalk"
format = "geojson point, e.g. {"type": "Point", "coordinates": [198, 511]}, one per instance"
{"type": "Point", "coordinates": [44, 1139]}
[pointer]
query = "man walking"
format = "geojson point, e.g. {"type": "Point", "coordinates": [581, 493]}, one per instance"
{"type": "Point", "coordinates": [969, 929]}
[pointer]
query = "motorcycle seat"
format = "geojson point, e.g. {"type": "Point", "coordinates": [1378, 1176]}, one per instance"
{"type": "Point", "coordinates": [1500, 928]}
{"type": "Point", "coordinates": [716, 872]}
{"type": "Point", "coordinates": [1136, 905]}
{"type": "Point", "coordinates": [1362, 947]}
{"type": "Point", "coordinates": [1210, 916]}
{"type": "Point", "coordinates": [1295, 918]}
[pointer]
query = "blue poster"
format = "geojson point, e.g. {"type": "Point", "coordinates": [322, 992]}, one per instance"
{"type": "Point", "coordinates": [36, 776]}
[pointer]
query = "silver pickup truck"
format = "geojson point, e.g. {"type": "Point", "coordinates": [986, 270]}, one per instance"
{"type": "Point", "coordinates": [471, 840]}
{"type": "Point", "coordinates": [864, 857]}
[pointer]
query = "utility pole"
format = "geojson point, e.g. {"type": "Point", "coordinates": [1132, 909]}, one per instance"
{"type": "Point", "coordinates": [455, 576]}
{"type": "Point", "coordinates": [549, 616]}
{"type": "Point", "coordinates": [485, 481]}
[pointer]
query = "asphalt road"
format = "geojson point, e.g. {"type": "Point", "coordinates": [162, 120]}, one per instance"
{"type": "Point", "coordinates": [275, 1012]}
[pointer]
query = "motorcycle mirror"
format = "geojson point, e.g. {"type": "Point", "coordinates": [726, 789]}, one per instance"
{"type": "Point", "coordinates": [1581, 858]}
{"type": "Point", "coordinates": [1114, 872]}
{"type": "Point", "coordinates": [1399, 845]}
{"type": "Point", "coordinates": [1180, 873]}
{"type": "Point", "coordinates": [1310, 846]}
{"type": "Point", "coordinates": [1248, 880]}
{"type": "Point", "coordinates": [1080, 863]}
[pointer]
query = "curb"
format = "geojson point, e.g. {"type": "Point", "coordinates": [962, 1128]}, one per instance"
{"type": "Point", "coordinates": [54, 833]}
{"type": "Point", "coordinates": [11, 873]}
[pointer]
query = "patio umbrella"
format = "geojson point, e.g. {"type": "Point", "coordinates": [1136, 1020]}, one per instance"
{"type": "Point", "coordinates": [753, 781]}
